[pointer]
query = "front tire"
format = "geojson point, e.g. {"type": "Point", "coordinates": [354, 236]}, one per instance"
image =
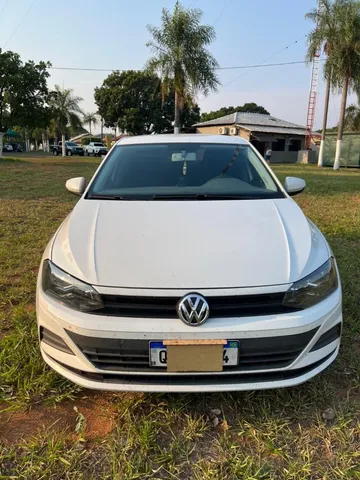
{"type": "Point", "coordinates": [55, 152]}
{"type": "Point", "coordinates": [69, 153]}
{"type": "Point", "coordinates": [86, 153]}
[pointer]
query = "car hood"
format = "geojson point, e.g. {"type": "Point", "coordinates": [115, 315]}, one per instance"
{"type": "Point", "coordinates": [188, 244]}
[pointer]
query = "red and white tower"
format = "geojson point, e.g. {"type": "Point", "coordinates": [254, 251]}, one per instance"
{"type": "Point", "coordinates": [310, 119]}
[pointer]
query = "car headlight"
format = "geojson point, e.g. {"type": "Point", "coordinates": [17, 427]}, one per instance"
{"type": "Point", "coordinates": [68, 290]}
{"type": "Point", "coordinates": [315, 287]}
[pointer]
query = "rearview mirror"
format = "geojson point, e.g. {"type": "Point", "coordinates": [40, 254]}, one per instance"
{"type": "Point", "coordinates": [76, 185]}
{"type": "Point", "coordinates": [294, 185]}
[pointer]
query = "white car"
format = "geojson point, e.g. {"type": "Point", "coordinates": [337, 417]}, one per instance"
{"type": "Point", "coordinates": [186, 266]}
{"type": "Point", "coordinates": [96, 149]}
{"type": "Point", "coordinates": [7, 147]}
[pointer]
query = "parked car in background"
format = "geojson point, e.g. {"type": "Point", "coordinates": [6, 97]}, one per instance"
{"type": "Point", "coordinates": [71, 148]}
{"type": "Point", "coordinates": [96, 149]}
{"type": "Point", "coordinates": [187, 266]}
{"type": "Point", "coordinates": [7, 147]}
{"type": "Point", "coordinates": [17, 147]}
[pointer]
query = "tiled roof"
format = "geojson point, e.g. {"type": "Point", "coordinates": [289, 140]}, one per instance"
{"type": "Point", "coordinates": [254, 121]}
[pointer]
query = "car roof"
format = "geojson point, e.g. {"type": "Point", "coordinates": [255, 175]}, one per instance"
{"type": "Point", "coordinates": [182, 138]}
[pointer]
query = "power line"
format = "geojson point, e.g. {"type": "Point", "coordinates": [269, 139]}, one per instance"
{"type": "Point", "coordinates": [222, 11]}
{"type": "Point", "coordinates": [269, 58]}
{"type": "Point", "coordinates": [4, 8]}
{"type": "Point", "coordinates": [238, 67]}
{"type": "Point", "coordinates": [262, 65]}
{"type": "Point", "coordinates": [21, 21]}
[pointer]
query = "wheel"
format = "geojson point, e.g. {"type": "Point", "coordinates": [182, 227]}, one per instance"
{"type": "Point", "coordinates": [86, 153]}
{"type": "Point", "coordinates": [56, 153]}
{"type": "Point", "coordinates": [69, 153]}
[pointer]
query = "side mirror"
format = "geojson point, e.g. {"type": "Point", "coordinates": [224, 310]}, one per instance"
{"type": "Point", "coordinates": [76, 185]}
{"type": "Point", "coordinates": [294, 185]}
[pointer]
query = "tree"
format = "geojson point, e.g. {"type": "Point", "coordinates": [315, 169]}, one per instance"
{"type": "Point", "coordinates": [320, 38]}
{"type": "Point", "coordinates": [65, 112]}
{"type": "Point", "coordinates": [352, 119]}
{"type": "Point", "coordinates": [180, 55]}
{"type": "Point", "coordinates": [90, 119]}
{"type": "Point", "coordinates": [338, 26]}
{"type": "Point", "coordinates": [247, 107]}
{"type": "Point", "coordinates": [23, 93]}
{"type": "Point", "coordinates": [134, 102]}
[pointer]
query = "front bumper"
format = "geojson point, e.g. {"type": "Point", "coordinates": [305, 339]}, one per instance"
{"type": "Point", "coordinates": [91, 355]}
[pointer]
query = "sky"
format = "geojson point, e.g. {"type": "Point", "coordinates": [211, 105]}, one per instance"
{"type": "Point", "coordinates": [112, 34]}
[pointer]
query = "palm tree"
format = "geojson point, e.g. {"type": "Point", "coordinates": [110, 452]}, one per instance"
{"type": "Point", "coordinates": [320, 39]}
{"type": "Point", "coordinates": [180, 55]}
{"type": "Point", "coordinates": [90, 119]}
{"type": "Point", "coordinates": [339, 24]}
{"type": "Point", "coordinates": [66, 112]}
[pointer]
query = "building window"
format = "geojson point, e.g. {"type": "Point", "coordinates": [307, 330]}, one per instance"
{"type": "Point", "coordinates": [278, 146]}
{"type": "Point", "coordinates": [295, 145]}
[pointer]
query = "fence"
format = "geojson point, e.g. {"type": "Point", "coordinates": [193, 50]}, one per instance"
{"type": "Point", "coordinates": [350, 150]}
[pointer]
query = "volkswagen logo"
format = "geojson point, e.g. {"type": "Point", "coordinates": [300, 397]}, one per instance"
{"type": "Point", "coordinates": [193, 309]}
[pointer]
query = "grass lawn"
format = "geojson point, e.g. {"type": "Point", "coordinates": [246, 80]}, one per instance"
{"type": "Point", "coordinates": [51, 429]}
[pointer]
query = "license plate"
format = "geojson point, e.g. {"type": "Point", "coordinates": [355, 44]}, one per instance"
{"type": "Point", "coordinates": [158, 354]}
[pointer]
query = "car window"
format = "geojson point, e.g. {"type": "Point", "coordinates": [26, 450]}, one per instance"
{"type": "Point", "coordinates": [98, 144]}
{"type": "Point", "coordinates": [182, 170]}
{"type": "Point", "coordinates": [71, 144]}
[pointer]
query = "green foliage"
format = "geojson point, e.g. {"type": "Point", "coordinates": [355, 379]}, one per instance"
{"type": "Point", "coordinates": [134, 102]}
{"type": "Point", "coordinates": [337, 32]}
{"type": "Point", "coordinates": [23, 92]}
{"type": "Point", "coordinates": [65, 110]}
{"type": "Point", "coordinates": [352, 118]}
{"type": "Point", "coordinates": [180, 55]}
{"type": "Point", "coordinates": [90, 119]}
{"type": "Point", "coordinates": [247, 107]}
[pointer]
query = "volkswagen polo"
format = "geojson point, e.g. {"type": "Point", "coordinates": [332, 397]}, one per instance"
{"type": "Point", "coordinates": [187, 266]}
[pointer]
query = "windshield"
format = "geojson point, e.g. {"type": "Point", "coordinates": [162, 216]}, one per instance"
{"type": "Point", "coordinates": [98, 145]}
{"type": "Point", "coordinates": [183, 171]}
{"type": "Point", "coordinates": [72, 144]}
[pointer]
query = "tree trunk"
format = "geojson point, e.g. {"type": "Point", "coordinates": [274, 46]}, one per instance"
{"type": "Point", "coordinates": [36, 146]}
{"type": "Point", "coordinates": [102, 128]}
{"type": "Point", "coordinates": [323, 134]}
{"type": "Point", "coordinates": [341, 124]}
{"type": "Point", "coordinates": [2, 134]}
{"type": "Point", "coordinates": [43, 142]}
{"type": "Point", "coordinates": [63, 145]}
{"type": "Point", "coordinates": [177, 113]}
{"type": "Point", "coordinates": [90, 130]}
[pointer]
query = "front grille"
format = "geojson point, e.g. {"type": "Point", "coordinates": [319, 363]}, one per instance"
{"type": "Point", "coordinates": [196, 380]}
{"type": "Point", "coordinates": [165, 307]}
{"type": "Point", "coordinates": [133, 355]}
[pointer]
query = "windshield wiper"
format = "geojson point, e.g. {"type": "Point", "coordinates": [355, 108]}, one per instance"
{"type": "Point", "coordinates": [206, 196]}
{"type": "Point", "coordinates": [111, 197]}
{"type": "Point", "coordinates": [176, 196]}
